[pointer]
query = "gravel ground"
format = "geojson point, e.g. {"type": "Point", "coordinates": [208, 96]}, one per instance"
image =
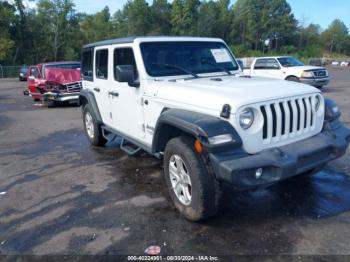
{"type": "Point", "coordinates": [61, 196]}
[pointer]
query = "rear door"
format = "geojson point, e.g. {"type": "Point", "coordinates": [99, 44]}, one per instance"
{"type": "Point", "coordinates": [97, 60]}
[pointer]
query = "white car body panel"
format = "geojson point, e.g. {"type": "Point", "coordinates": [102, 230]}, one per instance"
{"type": "Point", "coordinates": [197, 95]}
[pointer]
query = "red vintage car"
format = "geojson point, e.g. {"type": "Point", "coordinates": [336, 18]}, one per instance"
{"type": "Point", "coordinates": [54, 82]}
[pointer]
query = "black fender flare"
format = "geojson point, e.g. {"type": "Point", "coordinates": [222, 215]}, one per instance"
{"type": "Point", "coordinates": [199, 125]}
{"type": "Point", "coordinates": [89, 96]}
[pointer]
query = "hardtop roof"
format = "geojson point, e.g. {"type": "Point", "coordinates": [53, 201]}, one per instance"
{"type": "Point", "coordinates": [131, 39]}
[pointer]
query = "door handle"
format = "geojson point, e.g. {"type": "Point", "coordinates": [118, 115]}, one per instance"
{"type": "Point", "coordinates": [113, 93]}
{"type": "Point", "coordinates": [97, 89]}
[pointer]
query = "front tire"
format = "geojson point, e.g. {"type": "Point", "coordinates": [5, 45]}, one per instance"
{"type": "Point", "coordinates": [191, 184]}
{"type": "Point", "coordinates": [92, 129]}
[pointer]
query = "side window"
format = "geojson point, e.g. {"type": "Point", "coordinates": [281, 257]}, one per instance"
{"type": "Point", "coordinates": [102, 64]}
{"type": "Point", "coordinates": [86, 69]}
{"type": "Point", "coordinates": [34, 72]}
{"type": "Point", "coordinates": [124, 56]}
{"type": "Point", "coordinates": [260, 64]}
{"type": "Point", "coordinates": [272, 64]}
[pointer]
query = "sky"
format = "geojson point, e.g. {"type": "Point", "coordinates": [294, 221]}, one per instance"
{"type": "Point", "coordinates": [322, 12]}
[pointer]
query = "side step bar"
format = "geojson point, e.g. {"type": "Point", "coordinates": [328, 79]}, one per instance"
{"type": "Point", "coordinates": [129, 148]}
{"type": "Point", "coordinates": [125, 145]}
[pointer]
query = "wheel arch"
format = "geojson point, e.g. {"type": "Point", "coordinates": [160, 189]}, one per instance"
{"type": "Point", "coordinates": [176, 122]}
{"type": "Point", "coordinates": [291, 76]}
{"type": "Point", "coordinates": [87, 97]}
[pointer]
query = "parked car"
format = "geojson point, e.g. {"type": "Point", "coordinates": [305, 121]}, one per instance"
{"type": "Point", "coordinates": [288, 68]}
{"type": "Point", "coordinates": [184, 100]}
{"type": "Point", "coordinates": [316, 62]}
{"type": "Point", "coordinates": [345, 63]}
{"type": "Point", "coordinates": [23, 73]}
{"type": "Point", "coordinates": [335, 63]}
{"type": "Point", "coordinates": [55, 82]}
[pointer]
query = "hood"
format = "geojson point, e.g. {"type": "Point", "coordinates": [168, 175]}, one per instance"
{"type": "Point", "coordinates": [62, 76]}
{"type": "Point", "coordinates": [211, 93]}
{"type": "Point", "coordinates": [306, 68]}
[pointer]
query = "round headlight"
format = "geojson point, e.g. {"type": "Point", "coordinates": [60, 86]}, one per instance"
{"type": "Point", "coordinates": [246, 118]}
{"type": "Point", "coordinates": [317, 102]}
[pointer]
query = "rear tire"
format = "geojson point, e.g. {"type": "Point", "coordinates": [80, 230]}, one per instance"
{"type": "Point", "coordinates": [92, 129]}
{"type": "Point", "coordinates": [192, 185]}
{"type": "Point", "coordinates": [293, 79]}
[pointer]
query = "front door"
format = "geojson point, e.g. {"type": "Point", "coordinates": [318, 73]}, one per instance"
{"type": "Point", "coordinates": [33, 81]}
{"type": "Point", "coordinates": [126, 101]}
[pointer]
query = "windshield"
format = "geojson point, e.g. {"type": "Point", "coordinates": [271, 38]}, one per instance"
{"type": "Point", "coordinates": [181, 58]}
{"type": "Point", "coordinates": [64, 66]}
{"type": "Point", "coordinates": [289, 61]}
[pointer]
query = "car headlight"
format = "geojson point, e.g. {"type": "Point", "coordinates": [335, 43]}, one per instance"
{"type": "Point", "coordinates": [318, 100]}
{"type": "Point", "coordinates": [307, 74]}
{"type": "Point", "coordinates": [246, 118]}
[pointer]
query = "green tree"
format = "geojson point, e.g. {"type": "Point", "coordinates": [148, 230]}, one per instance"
{"type": "Point", "coordinates": [177, 24]}
{"type": "Point", "coordinates": [55, 18]}
{"type": "Point", "coordinates": [215, 19]}
{"type": "Point", "coordinates": [137, 15]}
{"type": "Point", "coordinates": [190, 16]}
{"type": "Point", "coordinates": [96, 27]}
{"type": "Point", "coordinates": [160, 14]}
{"type": "Point", "coordinates": [7, 18]}
{"type": "Point", "coordinates": [335, 37]}
{"type": "Point", "coordinates": [257, 21]}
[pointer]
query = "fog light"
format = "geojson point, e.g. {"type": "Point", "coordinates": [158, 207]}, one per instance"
{"type": "Point", "coordinates": [258, 173]}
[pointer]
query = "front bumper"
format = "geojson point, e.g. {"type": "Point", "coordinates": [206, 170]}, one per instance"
{"type": "Point", "coordinates": [60, 97]}
{"type": "Point", "coordinates": [315, 81]}
{"type": "Point", "coordinates": [282, 162]}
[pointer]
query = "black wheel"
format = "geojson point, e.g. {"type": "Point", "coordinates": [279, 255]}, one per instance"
{"type": "Point", "coordinates": [92, 129]}
{"type": "Point", "coordinates": [293, 79]}
{"type": "Point", "coordinates": [319, 87]}
{"type": "Point", "coordinates": [191, 183]}
{"type": "Point", "coordinates": [51, 104]}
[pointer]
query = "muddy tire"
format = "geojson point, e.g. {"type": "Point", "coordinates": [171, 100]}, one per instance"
{"type": "Point", "coordinates": [190, 182]}
{"type": "Point", "coordinates": [92, 129]}
{"type": "Point", "coordinates": [293, 79]}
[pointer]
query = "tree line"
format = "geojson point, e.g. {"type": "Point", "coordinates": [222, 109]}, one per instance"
{"type": "Point", "coordinates": [54, 30]}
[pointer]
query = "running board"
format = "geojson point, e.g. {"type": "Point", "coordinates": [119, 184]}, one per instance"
{"type": "Point", "coordinates": [108, 135]}
{"type": "Point", "coordinates": [128, 147]}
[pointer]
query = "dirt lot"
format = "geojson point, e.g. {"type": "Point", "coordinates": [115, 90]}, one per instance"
{"type": "Point", "coordinates": [61, 196]}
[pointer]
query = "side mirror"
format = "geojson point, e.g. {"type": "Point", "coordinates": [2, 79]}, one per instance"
{"type": "Point", "coordinates": [126, 74]}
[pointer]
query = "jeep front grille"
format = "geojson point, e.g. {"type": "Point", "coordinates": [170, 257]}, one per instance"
{"type": "Point", "coordinates": [287, 118]}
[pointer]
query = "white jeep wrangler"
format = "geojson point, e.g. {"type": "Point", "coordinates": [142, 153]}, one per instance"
{"type": "Point", "coordinates": [185, 100]}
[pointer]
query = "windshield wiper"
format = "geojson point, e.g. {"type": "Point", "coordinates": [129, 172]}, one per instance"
{"type": "Point", "coordinates": [203, 61]}
{"type": "Point", "coordinates": [176, 67]}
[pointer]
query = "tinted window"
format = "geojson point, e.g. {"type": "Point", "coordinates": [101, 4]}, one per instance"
{"type": "Point", "coordinates": [266, 63]}
{"type": "Point", "coordinates": [162, 58]}
{"type": "Point", "coordinates": [289, 61]}
{"type": "Point", "coordinates": [124, 56]}
{"type": "Point", "coordinates": [86, 70]}
{"type": "Point", "coordinates": [102, 64]}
